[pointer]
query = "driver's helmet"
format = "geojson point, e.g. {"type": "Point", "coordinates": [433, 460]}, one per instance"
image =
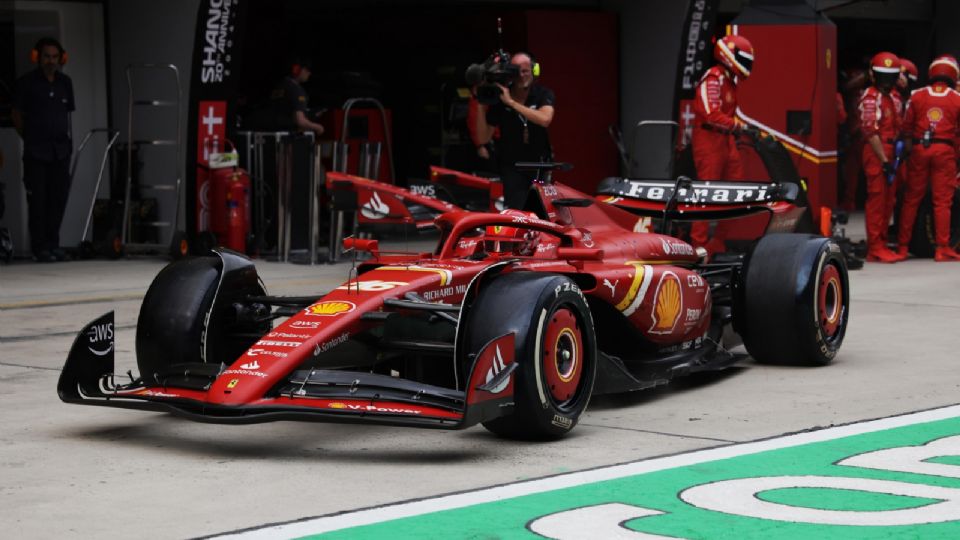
{"type": "Point", "coordinates": [508, 240]}
{"type": "Point", "coordinates": [736, 54]}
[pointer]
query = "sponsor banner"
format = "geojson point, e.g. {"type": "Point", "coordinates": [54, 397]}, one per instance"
{"type": "Point", "coordinates": [213, 86]}
{"type": "Point", "coordinates": [696, 55]}
{"type": "Point", "coordinates": [891, 478]}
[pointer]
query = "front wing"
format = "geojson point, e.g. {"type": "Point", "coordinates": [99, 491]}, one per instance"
{"type": "Point", "coordinates": [334, 396]}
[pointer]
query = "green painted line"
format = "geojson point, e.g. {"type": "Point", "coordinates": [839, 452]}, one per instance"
{"type": "Point", "coordinates": [842, 482]}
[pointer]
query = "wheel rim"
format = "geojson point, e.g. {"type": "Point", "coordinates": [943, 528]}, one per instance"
{"type": "Point", "coordinates": [563, 357]}
{"type": "Point", "coordinates": [830, 304]}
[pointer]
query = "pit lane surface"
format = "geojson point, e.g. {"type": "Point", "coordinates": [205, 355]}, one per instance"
{"type": "Point", "coordinates": [73, 471]}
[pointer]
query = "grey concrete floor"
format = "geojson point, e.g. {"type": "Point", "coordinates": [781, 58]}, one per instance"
{"type": "Point", "coordinates": [81, 472]}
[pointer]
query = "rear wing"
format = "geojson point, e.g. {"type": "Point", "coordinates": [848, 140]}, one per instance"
{"type": "Point", "coordinates": [691, 199]}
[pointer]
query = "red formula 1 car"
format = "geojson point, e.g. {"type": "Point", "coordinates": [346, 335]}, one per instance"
{"type": "Point", "coordinates": [514, 321]}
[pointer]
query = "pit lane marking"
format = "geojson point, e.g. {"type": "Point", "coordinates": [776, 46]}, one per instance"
{"type": "Point", "coordinates": [419, 507]}
{"type": "Point", "coordinates": [30, 304]}
{"type": "Point", "coordinates": [664, 433]}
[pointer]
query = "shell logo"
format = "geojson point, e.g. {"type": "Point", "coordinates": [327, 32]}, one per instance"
{"type": "Point", "coordinates": [337, 405]}
{"type": "Point", "coordinates": [667, 302]}
{"type": "Point", "coordinates": [935, 114]}
{"type": "Point", "coordinates": [330, 308]}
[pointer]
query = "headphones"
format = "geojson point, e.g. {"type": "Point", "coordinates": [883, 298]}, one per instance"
{"type": "Point", "coordinates": [534, 65]}
{"type": "Point", "coordinates": [298, 64]}
{"type": "Point", "coordinates": [46, 42]}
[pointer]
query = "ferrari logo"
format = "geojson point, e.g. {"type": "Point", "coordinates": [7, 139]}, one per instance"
{"type": "Point", "coordinates": [888, 62]}
{"type": "Point", "coordinates": [233, 383]}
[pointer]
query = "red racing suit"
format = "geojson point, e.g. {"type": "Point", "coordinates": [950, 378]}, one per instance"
{"type": "Point", "coordinates": [879, 115]}
{"type": "Point", "coordinates": [934, 109]}
{"type": "Point", "coordinates": [715, 152]}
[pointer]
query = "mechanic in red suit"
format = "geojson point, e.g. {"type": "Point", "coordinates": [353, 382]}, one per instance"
{"type": "Point", "coordinates": [715, 126]}
{"type": "Point", "coordinates": [879, 124]}
{"type": "Point", "coordinates": [931, 126]}
{"type": "Point", "coordinates": [905, 86]}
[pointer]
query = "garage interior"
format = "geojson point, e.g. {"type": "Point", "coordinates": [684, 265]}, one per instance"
{"type": "Point", "coordinates": [610, 63]}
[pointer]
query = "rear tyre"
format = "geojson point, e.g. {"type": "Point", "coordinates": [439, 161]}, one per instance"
{"type": "Point", "coordinates": [796, 300]}
{"type": "Point", "coordinates": [555, 349]}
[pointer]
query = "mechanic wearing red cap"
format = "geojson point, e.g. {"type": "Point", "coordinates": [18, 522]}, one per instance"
{"type": "Point", "coordinates": [931, 125]}
{"type": "Point", "coordinates": [715, 126]}
{"type": "Point", "coordinates": [880, 124]}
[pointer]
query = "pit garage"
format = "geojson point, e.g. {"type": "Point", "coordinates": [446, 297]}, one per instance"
{"type": "Point", "coordinates": [388, 225]}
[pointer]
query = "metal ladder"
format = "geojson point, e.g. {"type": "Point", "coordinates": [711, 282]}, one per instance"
{"type": "Point", "coordinates": [176, 242]}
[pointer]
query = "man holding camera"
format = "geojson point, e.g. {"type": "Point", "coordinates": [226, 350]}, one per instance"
{"type": "Point", "coordinates": [524, 113]}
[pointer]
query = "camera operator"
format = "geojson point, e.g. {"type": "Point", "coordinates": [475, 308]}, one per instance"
{"type": "Point", "coordinates": [523, 115]}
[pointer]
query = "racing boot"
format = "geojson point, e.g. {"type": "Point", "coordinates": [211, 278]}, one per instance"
{"type": "Point", "coordinates": [880, 253]}
{"type": "Point", "coordinates": [901, 253]}
{"type": "Point", "coordinates": [946, 254]}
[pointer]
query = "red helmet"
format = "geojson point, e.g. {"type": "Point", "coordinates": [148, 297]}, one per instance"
{"type": "Point", "coordinates": [909, 69]}
{"type": "Point", "coordinates": [885, 67]}
{"type": "Point", "coordinates": [736, 53]}
{"type": "Point", "coordinates": [511, 240]}
{"type": "Point", "coordinates": [944, 68]}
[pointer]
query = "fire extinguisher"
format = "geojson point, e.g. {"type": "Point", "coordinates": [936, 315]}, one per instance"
{"type": "Point", "coordinates": [238, 224]}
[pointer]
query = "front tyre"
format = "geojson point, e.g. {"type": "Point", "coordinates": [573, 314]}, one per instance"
{"type": "Point", "coordinates": [796, 300]}
{"type": "Point", "coordinates": [555, 349]}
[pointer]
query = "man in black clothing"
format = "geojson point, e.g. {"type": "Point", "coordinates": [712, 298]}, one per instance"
{"type": "Point", "coordinates": [42, 103]}
{"type": "Point", "coordinates": [524, 113]}
{"type": "Point", "coordinates": [290, 101]}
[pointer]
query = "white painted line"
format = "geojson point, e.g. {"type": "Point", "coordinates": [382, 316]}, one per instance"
{"type": "Point", "coordinates": [459, 500]}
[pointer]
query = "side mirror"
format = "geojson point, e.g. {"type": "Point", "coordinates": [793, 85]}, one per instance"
{"type": "Point", "coordinates": [361, 244]}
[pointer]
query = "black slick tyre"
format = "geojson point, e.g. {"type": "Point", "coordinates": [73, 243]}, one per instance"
{"type": "Point", "coordinates": [187, 316]}
{"type": "Point", "coordinates": [796, 300]}
{"type": "Point", "coordinates": [555, 350]}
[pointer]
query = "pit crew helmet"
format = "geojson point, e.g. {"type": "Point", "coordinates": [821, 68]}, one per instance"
{"type": "Point", "coordinates": [507, 240]}
{"type": "Point", "coordinates": [944, 68]}
{"type": "Point", "coordinates": [736, 54]}
{"type": "Point", "coordinates": [885, 68]}
{"type": "Point", "coordinates": [909, 74]}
